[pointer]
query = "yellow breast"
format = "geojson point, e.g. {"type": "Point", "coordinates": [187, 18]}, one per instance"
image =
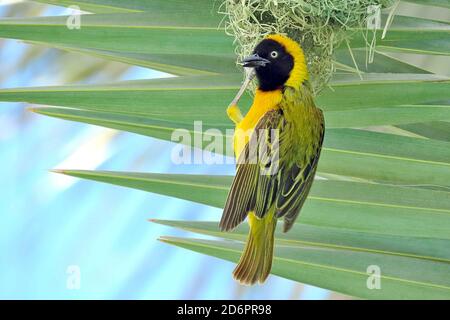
{"type": "Point", "coordinates": [263, 102]}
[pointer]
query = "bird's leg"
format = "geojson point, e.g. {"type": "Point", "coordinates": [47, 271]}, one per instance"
{"type": "Point", "coordinates": [233, 111]}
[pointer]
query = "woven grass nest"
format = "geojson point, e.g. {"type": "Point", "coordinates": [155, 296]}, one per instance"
{"type": "Point", "coordinates": [318, 25]}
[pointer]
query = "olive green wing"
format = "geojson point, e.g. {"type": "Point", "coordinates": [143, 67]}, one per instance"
{"type": "Point", "coordinates": [294, 191]}
{"type": "Point", "coordinates": [266, 180]}
{"type": "Point", "coordinates": [254, 187]}
{"type": "Point", "coordinates": [241, 197]}
{"type": "Point", "coordinates": [296, 183]}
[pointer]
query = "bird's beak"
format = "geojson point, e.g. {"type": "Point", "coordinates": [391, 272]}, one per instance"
{"type": "Point", "coordinates": [254, 61]}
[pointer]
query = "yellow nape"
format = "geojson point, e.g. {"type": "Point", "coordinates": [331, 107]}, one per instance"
{"type": "Point", "coordinates": [300, 71]}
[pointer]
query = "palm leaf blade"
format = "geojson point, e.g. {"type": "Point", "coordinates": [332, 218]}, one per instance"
{"type": "Point", "coordinates": [341, 270]}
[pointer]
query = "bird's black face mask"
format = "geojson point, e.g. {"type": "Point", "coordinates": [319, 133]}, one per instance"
{"type": "Point", "coordinates": [272, 64]}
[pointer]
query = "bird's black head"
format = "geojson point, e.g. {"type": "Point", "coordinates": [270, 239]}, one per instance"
{"type": "Point", "coordinates": [273, 64]}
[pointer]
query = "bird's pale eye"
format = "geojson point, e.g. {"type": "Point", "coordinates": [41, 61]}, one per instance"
{"type": "Point", "coordinates": [274, 54]}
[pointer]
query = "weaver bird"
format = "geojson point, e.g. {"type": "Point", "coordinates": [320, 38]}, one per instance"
{"type": "Point", "coordinates": [275, 187]}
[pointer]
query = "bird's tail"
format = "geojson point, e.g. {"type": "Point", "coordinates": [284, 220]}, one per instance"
{"type": "Point", "coordinates": [256, 260]}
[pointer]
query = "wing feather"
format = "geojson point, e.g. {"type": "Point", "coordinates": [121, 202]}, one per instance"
{"type": "Point", "coordinates": [290, 203]}
{"type": "Point", "coordinates": [269, 182]}
{"type": "Point", "coordinates": [240, 198]}
{"type": "Point", "coordinates": [252, 189]}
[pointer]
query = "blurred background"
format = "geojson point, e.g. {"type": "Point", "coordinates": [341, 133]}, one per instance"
{"type": "Point", "coordinates": [52, 224]}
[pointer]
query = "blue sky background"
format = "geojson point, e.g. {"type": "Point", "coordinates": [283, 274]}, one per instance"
{"type": "Point", "coordinates": [50, 222]}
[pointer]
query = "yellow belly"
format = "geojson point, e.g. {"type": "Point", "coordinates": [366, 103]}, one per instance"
{"type": "Point", "coordinates": [264, 101]}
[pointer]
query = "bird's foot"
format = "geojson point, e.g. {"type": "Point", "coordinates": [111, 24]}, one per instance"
{"type": "Point", "coordinates": [234, 113]}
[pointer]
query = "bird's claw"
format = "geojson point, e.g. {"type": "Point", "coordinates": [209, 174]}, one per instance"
{"type": "Point", "coordinates": [234, 113]}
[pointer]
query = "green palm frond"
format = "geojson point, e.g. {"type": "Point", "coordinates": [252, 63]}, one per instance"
{"type": "Point", "coordinates": [385, 200]}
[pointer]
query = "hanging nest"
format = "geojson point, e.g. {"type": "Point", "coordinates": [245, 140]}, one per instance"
{"type": "Point", "coordinates": [318, 25]}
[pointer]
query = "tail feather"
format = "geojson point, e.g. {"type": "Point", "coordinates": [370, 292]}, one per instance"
{"type": "Point", "coordinates": [256, 260]}
{"type": "Point", "coordinates": [267, 266]}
